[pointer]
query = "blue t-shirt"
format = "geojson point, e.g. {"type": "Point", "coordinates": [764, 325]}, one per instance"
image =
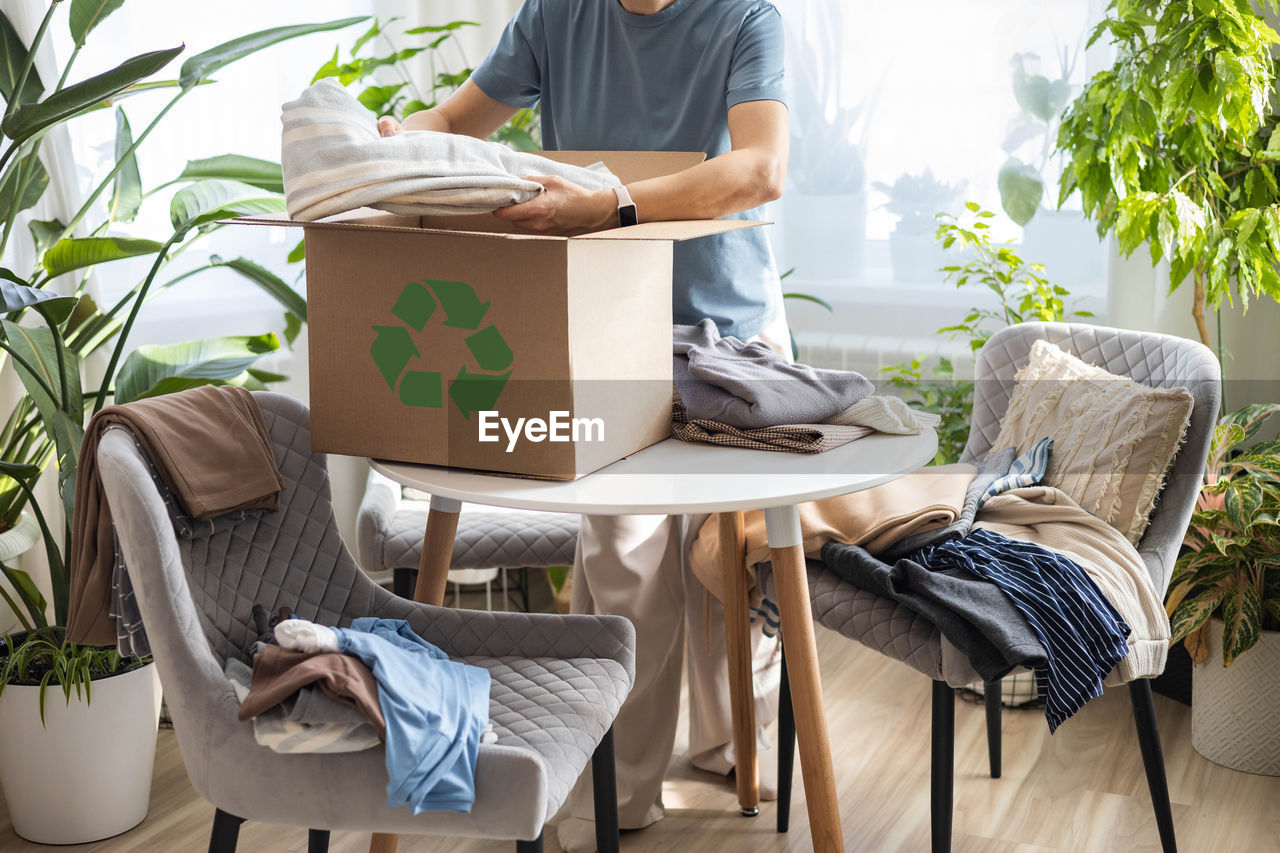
{"type": "Point", "coordinates": [610, 80]}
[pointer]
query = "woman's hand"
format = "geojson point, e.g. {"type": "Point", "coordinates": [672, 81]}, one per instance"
{"type": "Point", "coordinates": [563, 208]}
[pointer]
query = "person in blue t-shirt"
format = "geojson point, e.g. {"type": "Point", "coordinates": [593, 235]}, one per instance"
{"type": "Point", "coordinates": [675, 75]}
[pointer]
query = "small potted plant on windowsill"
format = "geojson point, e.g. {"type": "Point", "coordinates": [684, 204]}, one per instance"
{"type": "Point", "coordinates": [916, 200]}
{"type": "Point", "coordinates": [1224, 598]}
{"type": "Point", "coordinates": [824, 211]}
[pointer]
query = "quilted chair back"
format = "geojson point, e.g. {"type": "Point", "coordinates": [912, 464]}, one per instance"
{"type": "Point", "coordinates": [1161, 361]}
{"type": "Point", "coordinates": [196, 586]}
{"type": "Point", "coordinates": [293, 558]}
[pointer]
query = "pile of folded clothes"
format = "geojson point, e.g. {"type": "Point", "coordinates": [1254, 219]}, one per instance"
{"type": "Point", "coordinates": [334, 161]}
{"type": "Point", "coordinates": [317, 689]}
{"type": "Point", "coordinates": [1013, 574]}
{"type": "Point", "coordinates": [740, 394]}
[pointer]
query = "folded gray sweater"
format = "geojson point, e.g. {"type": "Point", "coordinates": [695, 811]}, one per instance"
{"type": "Point", "coordinates": [748, 385]}
{"type": "Point", "coordinates": [334, 160]}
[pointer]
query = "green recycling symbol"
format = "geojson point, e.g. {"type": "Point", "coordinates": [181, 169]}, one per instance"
{"type": "Point", "coordinates": [393, 348]}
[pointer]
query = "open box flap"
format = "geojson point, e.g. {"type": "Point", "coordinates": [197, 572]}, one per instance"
{"type": "Point", "coordinates": [631, 166]}
{"type": "Point", "coordinates": [675, 231]}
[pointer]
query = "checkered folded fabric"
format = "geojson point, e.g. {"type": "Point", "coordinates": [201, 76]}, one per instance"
{"type": "Point", "coordinates": [789, 438]}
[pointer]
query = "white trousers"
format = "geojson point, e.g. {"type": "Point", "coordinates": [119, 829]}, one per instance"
{"type": "Point", "coordinates": [636, 566]}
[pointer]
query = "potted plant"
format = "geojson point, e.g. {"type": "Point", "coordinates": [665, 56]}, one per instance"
{"type": "Point", "coordinates": [1063, 240]}
{"type": "Point", "coordinates": [916, 200]}
{"type": "Point", "coordinates": [824, 219]}
{"type": "Point", "coordinates": [1224, 598]}
{"type": "Point", "coordinates": [77, 724]}
{"type": "Point", "coordinates": [1173, 146]}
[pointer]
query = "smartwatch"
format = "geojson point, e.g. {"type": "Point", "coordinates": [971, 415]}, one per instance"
{"type": "Point", "coordinates": [626, 207]}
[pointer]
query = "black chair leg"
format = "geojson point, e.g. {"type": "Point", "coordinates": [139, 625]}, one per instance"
{"type": "Point", "coordinates": [942, 765]}
{"type": "Point", "coordinates": [604, 789]}
{"type": "Point", "coordinates": [403, 580]}
{"type": "Point", "coordinates": [786, 748]}
{"type": "Point", "coordinates": [991, 693]}
{"type": "Point", "coordinates": [1144, 717]}
{"type": "Point", "coordinates": [226, 832]}
{"type": "Point", "coordinates": [534, 846]}
{"type": "Point", "coordinates": [317, 841]}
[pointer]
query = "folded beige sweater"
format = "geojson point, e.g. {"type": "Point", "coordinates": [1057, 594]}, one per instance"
{"type": "Point", "coordinates": [1048, 517]}
{"type": "Point", "coordinates": [874, 518]}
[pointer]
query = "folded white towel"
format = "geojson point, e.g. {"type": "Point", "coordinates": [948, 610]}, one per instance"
{"type": "Point", "coordinates": [886, 414]}
{"type": "Point", "coordinates": [335, 161]}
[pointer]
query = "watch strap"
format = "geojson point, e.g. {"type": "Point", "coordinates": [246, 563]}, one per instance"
{"type": "Point", "coordinates": [626, 207]}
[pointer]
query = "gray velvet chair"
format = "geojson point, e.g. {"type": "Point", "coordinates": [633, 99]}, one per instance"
{"type": "Point", "coordinates": [558, 681]}
{"type": "Point", "coordinates": [881, 624]}
{"type": "Point", "coordinates": [489, 539]}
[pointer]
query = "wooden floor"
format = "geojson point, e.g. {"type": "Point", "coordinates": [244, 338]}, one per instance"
{"type": "Point", "coordinates": [1081, 790]}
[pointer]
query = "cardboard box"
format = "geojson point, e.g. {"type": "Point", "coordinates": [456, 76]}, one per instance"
{"type": "Point", "coordinates": [456, 341]}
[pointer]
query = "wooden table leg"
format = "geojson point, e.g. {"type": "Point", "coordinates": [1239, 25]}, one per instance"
{"type": "Point", "coordinates": [737, 635]}
{"type": "Point", "coordinates": [437, 551]}
{"type": "Point", "coordinates": [782, 525]}
{"type": "Point", "coordinates": [433, 577]}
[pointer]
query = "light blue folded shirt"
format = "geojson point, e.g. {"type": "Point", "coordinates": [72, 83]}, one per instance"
{"type": "Point", "coordinates": [435, 710]}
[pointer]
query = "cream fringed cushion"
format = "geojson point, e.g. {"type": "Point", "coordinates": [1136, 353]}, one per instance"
{"type": "Point", "coordinates": [1113, 438]}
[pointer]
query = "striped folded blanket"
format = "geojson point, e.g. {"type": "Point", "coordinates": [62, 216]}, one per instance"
{"type": "Point", "coordinates": [335, 161]}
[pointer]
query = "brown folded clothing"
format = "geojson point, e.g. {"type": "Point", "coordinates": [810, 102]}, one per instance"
{"type": "Point", "coordinates": [788, 438]}
{"type": "Point", "coordinates": [210, 446]}
{"type": "Point", "coordinates": [279, 673]}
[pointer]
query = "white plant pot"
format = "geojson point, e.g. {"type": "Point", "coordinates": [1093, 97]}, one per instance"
{"type": "Point", "coordinates": [916, 257]}
{"type": "Point", "coordinates": [1235, 710]}
{"type": "Point", "coordinates": [1068, 246]}
{"type": "Point", "coordinates": [824, 236]}
{"type": "Point", "coordinates": [86, 775]}
{"type": "Point", "coordinates": [20, 538]}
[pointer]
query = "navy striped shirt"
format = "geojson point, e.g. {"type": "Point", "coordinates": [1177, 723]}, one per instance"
{"type": "Point", "coordinates": [1081, 630]}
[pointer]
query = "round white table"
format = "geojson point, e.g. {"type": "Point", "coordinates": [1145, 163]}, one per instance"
{"type": "Point", "coordinates": [674, 478]}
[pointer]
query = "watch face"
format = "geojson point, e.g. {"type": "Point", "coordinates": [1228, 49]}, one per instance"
{"type": "Point", "coordinates": [627, 215]}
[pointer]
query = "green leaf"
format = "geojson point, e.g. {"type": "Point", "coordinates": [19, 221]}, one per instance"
{"type": "Point", "coordinates": [44, 232]}
{"type": "Point", "coordinates": [200, 66]}
{"type": "Point", "coordinates": [1021, 189]}
{"type": "Point", "coordinates": [262, 174]}
{"type": "Point", "coordinates": [21, 471]}
{"type": "Point", "coordinates": [441, 28]}
{"type": "Point", "coordinates": [27, 589]}
{"type": "Point", "coordinates": [207, 201]}
{"type": "Point", "coordinates": [75, 253]}
{"type": "Point", "coordinates": [126, 191]}
{"type": "Point", "coordinates": [1192, 613]}
{"type": "Point", "coordinates": [1250, 419]}
{"type": "Point", "coordinates": [87, 14]}
{"type": "Point", "coordinates": [26, 177]}
{"type": "Point", "coordinates": [30, 119]}
{"type": "Point", "coordinates": [1242, 619]}
{"type": "Point", "coordinates": [808, 297]}
{"type": "Point", "coordinates": [15, 297]}
{"type": "Point", "coordinates": [292, 326]}
{"type": "Point", "coordinates": [62, 419]}
{"type": "Point", "coordinates": [298, 252]}
{"type": "Point", "coordinates": [153, 370]}
{"type": "Point", "coordinates": [270, 283]}
{"type": "Point", "coordinates": [13, 55]}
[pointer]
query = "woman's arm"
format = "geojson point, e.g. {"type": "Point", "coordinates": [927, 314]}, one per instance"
{"type": "Point", "coordinates": [750, 174]}
{"type": "Point", "coordinates": [467, 111]}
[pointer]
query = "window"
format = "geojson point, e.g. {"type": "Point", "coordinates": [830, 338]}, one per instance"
{"type": "Point", "coordinates": [882, 92]}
